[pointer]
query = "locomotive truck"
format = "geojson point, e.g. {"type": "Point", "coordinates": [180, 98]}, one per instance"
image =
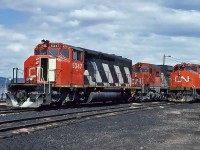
{"type": "Point", "coordinates": [59, 73]}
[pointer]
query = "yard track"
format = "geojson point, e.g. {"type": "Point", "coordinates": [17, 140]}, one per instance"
{"type": "Point", "coordinates": [25, 125]}
{"type": "Point", "coordinates": [14, 111]}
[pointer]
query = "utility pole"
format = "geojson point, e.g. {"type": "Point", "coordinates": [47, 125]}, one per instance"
{"type": "Point", "coordinates": [164, 57]}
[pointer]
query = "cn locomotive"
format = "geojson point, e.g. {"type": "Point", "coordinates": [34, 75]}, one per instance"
{"type": "Point", "coordinates": [150, 82]}
{"type": "Point", "coordinates": [59, 73]}
{"type": "Point", "coordinates": [185, 83]}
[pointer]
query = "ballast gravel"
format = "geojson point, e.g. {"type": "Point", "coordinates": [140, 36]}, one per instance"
{"type": "Point", "coordinates": [162, 128]}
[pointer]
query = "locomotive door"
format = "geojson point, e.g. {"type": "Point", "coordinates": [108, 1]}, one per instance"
{"type": "Point", "coordinates": [48, 69]}
{"type": "Point", "coordinates": [52, 69]}
{"type": "Point", "coordinates": [77, 67]}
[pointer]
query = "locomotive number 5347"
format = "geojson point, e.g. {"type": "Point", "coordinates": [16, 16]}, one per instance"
{"type": "Point", "coordinates": [77, 66]}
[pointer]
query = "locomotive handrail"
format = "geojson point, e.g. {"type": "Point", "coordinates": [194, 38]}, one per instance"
{"type": "Point", "coordinates": [193, 88]}
{"type": "Point", "coordinates": [15, 74]}
{"type": "Point", "coordinates": [42, 78]}
{"type": "Point", "coordinates": [42, 74]}
{"type": "Point", "coordinates": [49, 86]}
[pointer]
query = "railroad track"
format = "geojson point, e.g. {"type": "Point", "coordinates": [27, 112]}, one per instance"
{"type": "Point", "coordinates": [9, 110]}
{"type": "Point", "coordinates": [13, 111]}
{"type": "Point", "coordinates": [20, 110]}
{"type": "Point", "coordinates": [25, 125]}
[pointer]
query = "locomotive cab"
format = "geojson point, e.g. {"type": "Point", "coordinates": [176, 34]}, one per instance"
{"type": "Point", "coordinates": [185, 82]}
{"type": "Point", "coordinates": [47, 65]}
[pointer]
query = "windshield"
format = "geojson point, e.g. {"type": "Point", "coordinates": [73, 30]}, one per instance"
{"type": "Point", "coordinates": [136, 70]}
{"type": "Point", "coordinates": [64, 53]}
{"type": "Point", "coordinates": [144, 69]}
{"type": "Point", "coordinates": [44, 52]}
{"type": "Point", "coordinates": [193, 68]}
{"type": "Point", "coordinates": [176, 68]}
{"type": "Point", "coordinates": [53, 51]}
{"type": "Point", "coordinates": [37, 52]}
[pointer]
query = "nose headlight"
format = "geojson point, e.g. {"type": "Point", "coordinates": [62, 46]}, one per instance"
{"type": "Point", "coordinates": [29, 79]}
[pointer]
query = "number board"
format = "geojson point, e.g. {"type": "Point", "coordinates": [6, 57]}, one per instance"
{"type": "Point", "coordinates": [55, 45]}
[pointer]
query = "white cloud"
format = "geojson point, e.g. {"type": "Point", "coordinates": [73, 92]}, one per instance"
{"type": "Point", "coordinates": [38, 6]}
{"type": "Point", "coordinates": [137, 29]}
{"type": "Point", "coordinates": [97, 13]}
{"type": "Point", "coordinates": [10, 34]}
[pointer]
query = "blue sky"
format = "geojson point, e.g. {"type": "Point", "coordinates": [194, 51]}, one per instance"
{"type": "Point", "coordinates": [10, 17]}
{"type": "Point", "coordinates": [141, 30]}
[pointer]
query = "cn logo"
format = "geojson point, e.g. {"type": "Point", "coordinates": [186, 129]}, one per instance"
{"type": "Point", "coordinates": [180, 78]}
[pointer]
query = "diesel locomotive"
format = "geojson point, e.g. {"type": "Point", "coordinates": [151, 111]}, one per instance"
{"type": "Point", "coordinates": [150, 82]}
{"type": "Point", "coordinates": [185, 83]}
{"type": "Point", "coordinates": [59, 73]}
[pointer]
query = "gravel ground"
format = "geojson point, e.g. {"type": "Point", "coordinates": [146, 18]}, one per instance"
{"type": "Point", "coordinates": [163, 128]}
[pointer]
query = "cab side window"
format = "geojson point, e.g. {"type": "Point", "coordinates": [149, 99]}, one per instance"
{"type": "Point", "coordinates": [151, 71]}
{"type": "Point", "coordinates": [77, 55]}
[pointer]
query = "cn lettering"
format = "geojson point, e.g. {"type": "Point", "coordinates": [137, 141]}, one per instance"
{"type": "Point", "coordinates": [181, 78]}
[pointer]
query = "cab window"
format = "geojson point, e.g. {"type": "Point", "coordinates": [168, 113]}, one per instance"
{"type": "Point", "coordinates": [77, 55]}
{"type": "Point", "coordinates": [151, 71]}
{"type": "Point", "coordinates": [64, 53]}
{"type": "Point", "coordinates": [37, 52]}
{"type": "Point", "coordinates": [144, 69]}
{"type": "Point", "coordinates": [53, 52]}
{"type": "Point", "coordinates": [193, 68]}
{"type": "Point", "coordinates": [176, 68]}
{"type": "Point", "coordinates": [43, 52]}
{"type": "Point", "coordinates": [136, 70]}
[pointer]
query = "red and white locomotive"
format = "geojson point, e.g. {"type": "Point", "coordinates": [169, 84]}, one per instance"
{"type": "Point", "coordinates": [185, 82]}
{"type": "Point", "coordinates": [58, 73]}
{"type": "Point", "coordinates": [150, 82]}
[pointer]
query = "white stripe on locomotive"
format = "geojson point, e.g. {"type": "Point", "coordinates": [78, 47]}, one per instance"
{"type": "Point", "coordinates": [96, 73]}
{"type": "Point", "coordinates": [119, 75]}
{"type": "Point", "coordinates": [108, 73]}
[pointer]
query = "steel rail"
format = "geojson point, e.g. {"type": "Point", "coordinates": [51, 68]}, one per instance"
{"type": "Point", "coordinates": [77, 116]}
